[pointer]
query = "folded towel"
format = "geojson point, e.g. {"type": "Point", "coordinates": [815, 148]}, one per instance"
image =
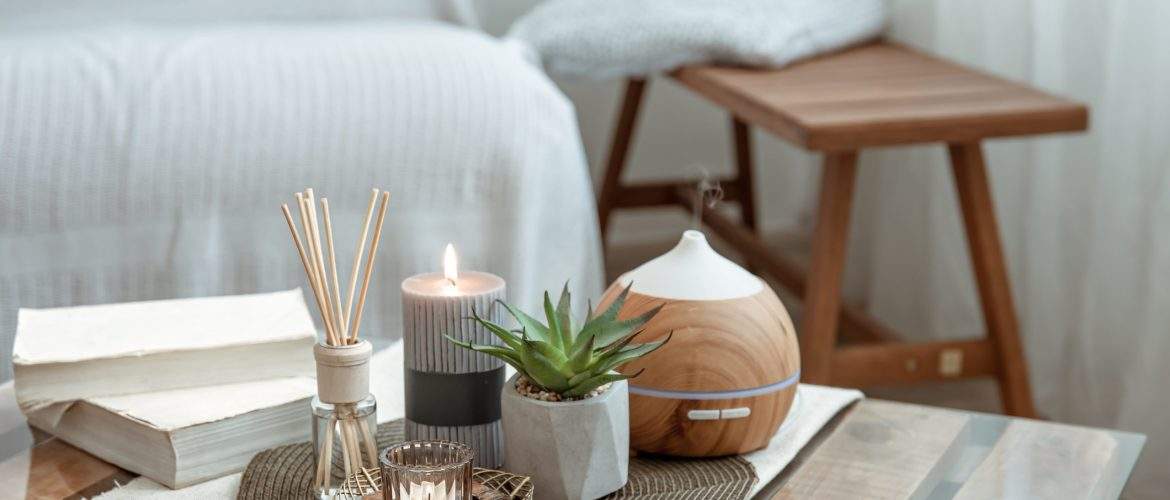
{"type": "Point", "coordinates": [616, 38]}
{"type": "Point", "coordinates": [815, 405]}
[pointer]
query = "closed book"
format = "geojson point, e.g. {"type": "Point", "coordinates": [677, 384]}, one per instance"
{"type": "Point", "coordinates": [180, 437]}
{"type": "Point", "coordinates": [66, 354]}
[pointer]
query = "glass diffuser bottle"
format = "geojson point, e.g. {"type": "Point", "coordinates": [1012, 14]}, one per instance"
{"type": "Point", "coordinates": [344, 415]}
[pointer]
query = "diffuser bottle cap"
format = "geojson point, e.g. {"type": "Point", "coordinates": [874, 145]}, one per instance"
{"type": "Point", "coordinates": [343, 372]}
{"type": "Point", "coordinates": [692, 270]}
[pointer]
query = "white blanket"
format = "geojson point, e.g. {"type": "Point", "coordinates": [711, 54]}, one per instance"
{"type": "Point", "coordinates": [149, 161]}
{"type": "Point", "coordinates": [613, 38]}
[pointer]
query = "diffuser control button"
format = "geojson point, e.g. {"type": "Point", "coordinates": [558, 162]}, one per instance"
{"type": "Point", "coordinates": [703, 414]}
{"type": "Point", "coordinates": [740, 412]}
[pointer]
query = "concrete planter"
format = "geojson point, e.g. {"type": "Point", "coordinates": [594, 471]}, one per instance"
{"type": "Point", "coordinates": [572, 450]}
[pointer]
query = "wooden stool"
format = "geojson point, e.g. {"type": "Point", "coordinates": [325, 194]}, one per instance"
{"type": "Point", "coordinates": [875, 95]}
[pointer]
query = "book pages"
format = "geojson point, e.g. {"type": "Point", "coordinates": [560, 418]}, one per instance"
{"type": "Point", "coordinates": [70, 334]}
{"type": "Point", "coordinates": [179, 408]}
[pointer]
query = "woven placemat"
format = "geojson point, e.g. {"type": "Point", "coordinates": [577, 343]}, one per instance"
{"type": "Point", "coordinates": [721, 478]}
{"type": "Point", "coordinates": [286, 472]}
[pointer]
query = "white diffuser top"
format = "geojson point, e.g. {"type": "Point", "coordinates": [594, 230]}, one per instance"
{"type": "Point", "coordinates": [692, 270]}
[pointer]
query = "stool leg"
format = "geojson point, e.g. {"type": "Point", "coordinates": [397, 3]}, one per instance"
{"type": "Point", "coordinates": [744, 182]}
{"type": "Point", "coordinates": [822, 296]}
{"type": "Point", "coordinates": [623, 135]}
{"type": "Point", "coordinates": [995, 294]}
{"type": "Point", "coordinates": [742, 135]}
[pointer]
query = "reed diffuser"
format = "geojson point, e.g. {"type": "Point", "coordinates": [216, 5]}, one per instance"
{"type": "Point", "coordinates": [344, 412]}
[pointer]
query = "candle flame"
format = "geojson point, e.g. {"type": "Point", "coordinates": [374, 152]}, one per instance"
{"type": "Point", "coordinates": [450, 264]}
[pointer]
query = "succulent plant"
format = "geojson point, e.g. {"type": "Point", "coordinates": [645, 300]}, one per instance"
{"type": "Point", "coordinates": [559, 356]}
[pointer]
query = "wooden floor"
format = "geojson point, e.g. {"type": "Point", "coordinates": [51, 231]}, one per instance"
{"type": "Point", "coordinates": [971, 394]}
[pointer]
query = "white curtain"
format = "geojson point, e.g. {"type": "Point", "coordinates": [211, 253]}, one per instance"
{"type": "Point", "coordinates": [1085, 218]}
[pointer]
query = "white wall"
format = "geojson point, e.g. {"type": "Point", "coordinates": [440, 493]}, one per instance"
{"type": "Point", "coordinates": [678, 133]}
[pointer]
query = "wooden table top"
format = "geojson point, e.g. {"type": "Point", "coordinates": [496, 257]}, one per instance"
{"type": "Point", "coordinates": [882, 94]}
{"type": "Point", "coordinates": [874, 449]}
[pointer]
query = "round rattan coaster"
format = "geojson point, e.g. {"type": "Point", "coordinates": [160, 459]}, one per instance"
{"type": "Point", "coordinates": [286, 472]}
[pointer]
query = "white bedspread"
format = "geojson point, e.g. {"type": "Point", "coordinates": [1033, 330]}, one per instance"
{"type": "Point", "coordinates": [149, 161]}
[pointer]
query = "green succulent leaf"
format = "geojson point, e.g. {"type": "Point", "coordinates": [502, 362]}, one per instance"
{"type": "Point", "coordinates": [620, 344]}
{"type": "Point", "coordinates": [505, 336]}
{"type": "Point", "coordinates": [564, 321]}
{"type": "Point", "coordinates": [554, 327]}
{"type": "Point", "coordinates": [545, 349]}
{"type": "Point", "coordinates": [626, 354]}
{"type": "Point", "coordinates": [582, 358]}
{"type": "Point", "coordinates": [580, 377]}
{"type": "Point", "coordinates": [614, 332]}
{"type": "Point", "coordinates": [527, 323]}
{"type": "Point", "coordinates": [543, 372]}
{"type": "Point", "coordinates": [502, 353]}
{"type": "Point", "coordinates": [610, 315]}
{"type": "Point", "coordinates": [554, 355]}
{"type": "Point", "coordinates": [560, 358]}
{"type": "Point", "coordinates": [606, 326]}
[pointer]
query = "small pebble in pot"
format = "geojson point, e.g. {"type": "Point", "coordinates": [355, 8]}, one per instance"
{"type": "Point", "coordinates": [530, 390]}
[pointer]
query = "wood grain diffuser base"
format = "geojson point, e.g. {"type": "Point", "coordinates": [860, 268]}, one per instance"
{"type": "Point", "coordinates": [725, 382]}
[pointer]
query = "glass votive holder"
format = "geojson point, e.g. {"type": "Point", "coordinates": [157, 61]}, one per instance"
{"type": "Point", "coordinates": [426, 470]}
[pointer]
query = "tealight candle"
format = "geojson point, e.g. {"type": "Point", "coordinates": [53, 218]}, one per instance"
{"type": "Point", "coordinates": [426, 470]}
{"type": "Point", "coordinates": [452, 393]}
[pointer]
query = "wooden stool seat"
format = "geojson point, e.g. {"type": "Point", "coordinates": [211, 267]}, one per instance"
{"type": "Point", "coordinates": [879, 95]}
{"type": "Point", "coordinates": [875, 95]}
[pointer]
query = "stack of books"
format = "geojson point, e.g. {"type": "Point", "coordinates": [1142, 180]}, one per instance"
{"type": "Point", "coordinates": [180, 391]}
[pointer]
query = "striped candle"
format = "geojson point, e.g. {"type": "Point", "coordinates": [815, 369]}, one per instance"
{"type": "Point", "coordinates": [453, 393]}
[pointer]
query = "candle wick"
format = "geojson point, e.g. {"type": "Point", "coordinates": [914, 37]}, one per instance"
{"type": "Point", "coordinates": [452, 280]}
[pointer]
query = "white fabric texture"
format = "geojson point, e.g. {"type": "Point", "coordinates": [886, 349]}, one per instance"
{"type": "Point", "coordinates": [614, 38]}
{"type": "Point", "coordinates": [147, 161]}
{"type": "Point", "coordinates": [56, 14]}
{"type": "Point", "coordinates": [814, 406]}
{"type": "Point", "coordinates": [1084, 218]}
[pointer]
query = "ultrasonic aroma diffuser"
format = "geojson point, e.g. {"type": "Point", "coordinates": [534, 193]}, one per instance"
{"type": "Point", "coordinates": [726, 380]}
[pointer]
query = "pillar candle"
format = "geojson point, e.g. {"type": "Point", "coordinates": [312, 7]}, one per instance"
{"type": "Point", "coordinates": [452, 393]}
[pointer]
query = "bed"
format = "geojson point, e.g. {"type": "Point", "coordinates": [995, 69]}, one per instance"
{"type": "Point", "coordinates": [145, 149]}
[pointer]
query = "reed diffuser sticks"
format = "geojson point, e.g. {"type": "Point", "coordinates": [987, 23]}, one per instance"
{"type": "Point", "coordinates": [342, 321]}
{"type": "Point", "coordinates": [323, 279]}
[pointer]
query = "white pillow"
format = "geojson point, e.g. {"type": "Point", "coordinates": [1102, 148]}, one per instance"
{"type": "Point", "coordinates": [615, 38]}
